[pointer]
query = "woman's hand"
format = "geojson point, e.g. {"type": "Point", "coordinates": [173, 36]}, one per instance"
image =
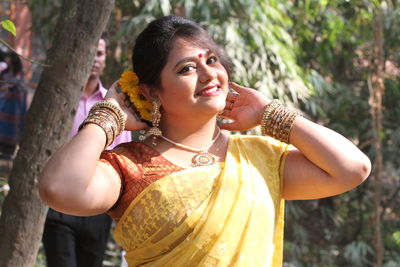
{"type": "Point", "coordinates": [245, 108]}
{"type": "Point", "coordinates": [133, 121]}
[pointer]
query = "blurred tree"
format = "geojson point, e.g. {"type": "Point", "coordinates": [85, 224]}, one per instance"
{"type": "Point", "coordinates": [48, 124]}
{"type": "Point", "coordinates": [342, 51]}
{"type": "Point", "coordinates": [376, 87]}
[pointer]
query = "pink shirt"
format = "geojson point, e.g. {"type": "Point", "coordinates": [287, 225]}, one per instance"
{"type": "Point", "coordinates": [85, 103]}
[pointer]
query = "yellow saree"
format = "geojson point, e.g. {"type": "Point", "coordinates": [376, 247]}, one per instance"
{"type": "Point", "coordinates": [228, 214]}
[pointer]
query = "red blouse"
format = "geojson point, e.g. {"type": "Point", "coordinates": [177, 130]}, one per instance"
{"type": "Point", "coordinates": [138, 165]}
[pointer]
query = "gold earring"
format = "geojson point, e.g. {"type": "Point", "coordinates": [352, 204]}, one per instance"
{"type": "Point", "coordinates": [155, 121]}
{"type": "Point", "coordinates": [219, 115]}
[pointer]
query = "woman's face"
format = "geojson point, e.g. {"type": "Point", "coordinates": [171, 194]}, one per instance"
{"type": "Point", "coordinates": [194, 82]}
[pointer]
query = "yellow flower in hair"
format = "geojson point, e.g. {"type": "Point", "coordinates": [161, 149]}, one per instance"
{"type": "Point", "coordinates": [129, 83]}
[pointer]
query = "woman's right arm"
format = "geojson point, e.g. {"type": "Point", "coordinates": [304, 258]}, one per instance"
{"type": "Point", "coordinates": [74, 181]}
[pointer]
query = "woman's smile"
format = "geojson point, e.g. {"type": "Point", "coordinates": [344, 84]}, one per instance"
{"type": "Point", "coordinates": [212, 90]}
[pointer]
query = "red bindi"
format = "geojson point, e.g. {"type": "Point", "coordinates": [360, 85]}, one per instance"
{"type": "Point", "coordinates": [200, 55]}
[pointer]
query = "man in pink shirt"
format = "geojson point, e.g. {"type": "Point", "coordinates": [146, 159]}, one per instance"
{"type": "Point", "coordinates": [72, 241]}
{"type": "Point", "coordinates": [95, 92]}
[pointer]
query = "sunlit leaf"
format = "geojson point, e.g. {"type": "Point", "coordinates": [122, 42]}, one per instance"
{"type": "Point", "coordinates": [9, 26]}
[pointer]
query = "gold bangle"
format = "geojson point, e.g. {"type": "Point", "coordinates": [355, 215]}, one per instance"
{"type": "Point", "coordinates": [265, 122]}
{"type": "Point", "coordinates": [104, 123]}
{"type": "Point", "coordinates": [120, 115]}
{"type": "Point", "coordinates": [277, 121]}
{"type": "Point", "coordinates": [288, 125]}
{"type": "Point", "coordinates": [105, 113]}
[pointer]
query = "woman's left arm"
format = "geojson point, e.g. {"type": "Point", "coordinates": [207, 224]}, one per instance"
{"type": "Point", "coordinates": [324, 164]}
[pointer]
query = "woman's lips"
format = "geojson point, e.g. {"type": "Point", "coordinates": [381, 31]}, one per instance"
{"type": "Point", "coordinates": [210, 91]}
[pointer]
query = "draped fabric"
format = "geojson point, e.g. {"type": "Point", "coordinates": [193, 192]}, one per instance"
{"type": "Point", "coordinates": [228, 214]}
{"type": "Point", "coordinates": [138, 165]}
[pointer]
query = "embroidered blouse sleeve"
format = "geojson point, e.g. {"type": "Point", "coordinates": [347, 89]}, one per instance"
{"type": "Point", "coordinates": [138, 166]}
{"type": "Point", "coordinates": [122, 164]}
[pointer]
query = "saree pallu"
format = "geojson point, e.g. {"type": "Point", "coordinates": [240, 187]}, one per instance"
{"type": "Point", "coordinates": [228, 214]}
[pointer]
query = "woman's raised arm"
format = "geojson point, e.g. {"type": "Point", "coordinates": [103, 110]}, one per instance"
{"type": "Point", "coordinates": [324, 164]}
{"type": "Point", "coordinates": [73, 180]}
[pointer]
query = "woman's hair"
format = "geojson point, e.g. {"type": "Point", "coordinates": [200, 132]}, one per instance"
{"type": "Point", "coordinates": [154, 44]}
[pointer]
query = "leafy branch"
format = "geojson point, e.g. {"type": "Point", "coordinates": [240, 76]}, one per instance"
{"type": "Point", "coordinates": [9, 26]}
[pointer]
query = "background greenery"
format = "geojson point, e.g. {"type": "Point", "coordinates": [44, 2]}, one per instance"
{"type": "Point", "coordinates": [317, 55]}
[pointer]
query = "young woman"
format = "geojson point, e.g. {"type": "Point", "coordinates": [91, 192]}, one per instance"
{"type": "Point", "coordinates": [191, 194]}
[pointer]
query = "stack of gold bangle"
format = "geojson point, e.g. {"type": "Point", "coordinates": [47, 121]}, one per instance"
{"type": "Point", "coordinates": [277, 121]}
{"type": "Point", "coordinates": [108, 105]}
{"type": "Point", "coordinates": [108, 116]}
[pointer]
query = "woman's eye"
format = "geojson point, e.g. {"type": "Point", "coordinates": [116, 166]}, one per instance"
{"type": "Point", "coordinates": [186, 69]}
{"type": "Point", "coordinates": [212, 60]}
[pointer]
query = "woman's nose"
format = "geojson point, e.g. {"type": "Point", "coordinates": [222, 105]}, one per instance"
{"type": "Point", "coordinates": [207, 74]}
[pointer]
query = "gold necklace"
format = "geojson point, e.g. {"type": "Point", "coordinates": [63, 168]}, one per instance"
{"type": "Point", "coordinates": [202, 156]}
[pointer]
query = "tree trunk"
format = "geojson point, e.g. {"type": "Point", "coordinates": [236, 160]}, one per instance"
{"type": "Point", "coordinates": [48, 125]}
{"type": "Point", "coordinates": [377, 88]}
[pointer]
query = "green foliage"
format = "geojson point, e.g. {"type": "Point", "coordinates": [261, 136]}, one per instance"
{"type": "Point", "coordinates": [9, 26]}
{"type": "Point", "coordinates": [337, 45]}
{"type": "Point", "coordinates": [41, 257]}
{"type": "Point", "coordinates": [356, 253]}
{"type": "Point", "coordinates": [396, 237]}
{"type": "Point", "coordinates": [45, 14]}
{"type": "Point", "coordinates": [4, 187]}
{"type": "Point", "coordinates": [257, 40]}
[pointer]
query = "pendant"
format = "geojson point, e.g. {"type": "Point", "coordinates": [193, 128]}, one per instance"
{"type": "Point", "coordinates": [203, 159]}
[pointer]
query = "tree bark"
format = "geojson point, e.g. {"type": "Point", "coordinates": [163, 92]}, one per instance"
{"type": "Point", "coordinates": [48, 124]}
{"type": "Point", "coordinates": [377, 89]}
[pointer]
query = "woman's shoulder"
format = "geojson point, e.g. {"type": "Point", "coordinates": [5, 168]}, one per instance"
{"type": "Point", "coordinates": [256, 140]}
{"type": "Point", "coordinates": [264, 144]}
{"type": "Point", "coordinates": [132, 147]}
{"type": "Point", "coordinates": [134, 152]}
